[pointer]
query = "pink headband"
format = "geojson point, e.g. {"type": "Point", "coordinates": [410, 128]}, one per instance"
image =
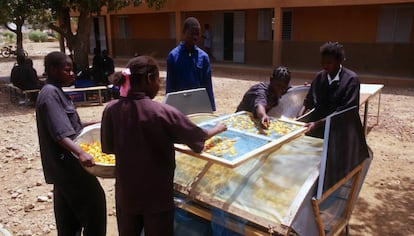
{"type": "Point", "coordinates": [123, 92]}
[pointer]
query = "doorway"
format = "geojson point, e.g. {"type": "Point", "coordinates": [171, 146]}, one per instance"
{"type": "Point", "coordinates": [228, 36]}
{"type": "Point", "coordinates": [97, 38]}
{"type": "Point", "coordinates": [228, 21]}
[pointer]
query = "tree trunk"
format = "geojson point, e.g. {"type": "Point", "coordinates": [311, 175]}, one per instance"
{"type": "Point", "coordinates": [19, 21]}
{"type": "Point", "coordinates": [19, 36]}
{"type": "Point", "coordinates": [78, 42]}
{"type": "Point", "coordinates": [81, 41]}
{"type": "Point", "coordinates": [62, 43]}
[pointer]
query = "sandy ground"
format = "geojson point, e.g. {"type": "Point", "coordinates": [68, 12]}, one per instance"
{"type": "Point", "coordinates": [385, 205]}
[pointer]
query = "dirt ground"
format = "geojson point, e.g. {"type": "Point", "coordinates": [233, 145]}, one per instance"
{"type": "Point", "coordinates": [385, 205]}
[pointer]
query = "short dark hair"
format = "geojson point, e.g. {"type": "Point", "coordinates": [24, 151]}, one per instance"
{"type": "Point", "coordinates": [281, 73]}
{"type": "Point", "coordinates": [191, 23]}
{"type": "Point", "coordinates": [55, 59]}
{"type": "Point", "coordinates": [334, 49]}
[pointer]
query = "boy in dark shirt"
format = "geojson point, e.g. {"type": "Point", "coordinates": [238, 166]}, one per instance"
{"type": "Point", "coordinates": [141, 133]}
{"type": "Point", "coordinates": [335, 88]}
{"type": "Point", "coordinates": [261, 97]}
{"type": "Point", "coordinates": [79, 200]}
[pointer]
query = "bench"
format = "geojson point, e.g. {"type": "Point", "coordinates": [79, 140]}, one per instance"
{"type": "Point", "coordinates": [16, 93]}
{"type": "Point", "coordinates": [99, 89]}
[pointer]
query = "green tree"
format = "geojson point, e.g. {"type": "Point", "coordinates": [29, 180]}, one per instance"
{"type": "Point", "coordinates": [14, 13]}
{"type": "Point", "coordinates": [85, 10]}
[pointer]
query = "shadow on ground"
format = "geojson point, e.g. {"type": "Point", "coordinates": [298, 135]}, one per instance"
{"type": "Point", "coordinates": [398, 90]}
{"type": "Point", "coordinates": [395, 213]}
{"type": "Point", "coordinates": [8, 108]}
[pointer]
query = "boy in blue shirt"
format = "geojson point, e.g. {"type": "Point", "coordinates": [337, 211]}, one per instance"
{"type": "Point", "coordinates": [188, 67]}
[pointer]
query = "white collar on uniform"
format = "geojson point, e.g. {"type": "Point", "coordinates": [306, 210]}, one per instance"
{"type": "Point", "coordinates": [336, 78]}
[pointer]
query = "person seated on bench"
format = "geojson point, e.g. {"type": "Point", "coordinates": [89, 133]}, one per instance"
{"type": "Point", "coordinates": [24, 76]}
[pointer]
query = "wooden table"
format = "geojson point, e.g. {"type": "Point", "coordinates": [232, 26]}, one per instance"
{"type": "Point", "coordinates": [95, 88]}
{"type": "Point", "coordinates": [368, 91]}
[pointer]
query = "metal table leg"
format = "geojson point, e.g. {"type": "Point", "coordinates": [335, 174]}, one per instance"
{"type": "Point", "coordinates": [366, 117]}
{"type": "Point", "coordinates": [379, 104]}
{"type": "Point", "coordinates": [100, 97]}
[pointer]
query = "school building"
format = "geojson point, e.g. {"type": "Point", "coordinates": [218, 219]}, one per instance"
{"type": "Point", "coordinates": [378, 35]}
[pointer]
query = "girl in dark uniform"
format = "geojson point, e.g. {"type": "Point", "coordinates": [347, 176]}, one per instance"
{"type": "Point", "coordinates": [335, 88]}
{"type": "Point", "coordinates": [141, 133]}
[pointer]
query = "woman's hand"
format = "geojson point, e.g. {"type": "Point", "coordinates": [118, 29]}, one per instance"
{"type": "Point", "coordinates": [309, 126]}
{"type": "Point", "coordinates": [265, 121]}
{"type": "Point", "coordinates": [261, 114]}
{"type": "Point", "coordinates": [313, 125]}
{"type": "Point", "coordinates": [218, 128]}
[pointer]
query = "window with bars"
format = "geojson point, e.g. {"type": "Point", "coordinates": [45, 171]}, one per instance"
{"type": "Point", "coordinates": [123, 24]}
{"type": "Point", "coordinates": [264, 29]}
{"type": "Point", "coordinates": [395, 24]}
{"type": "Point", "coordinates": [287, 25]}
{"type": "Point", "coordinates": [172, 25]}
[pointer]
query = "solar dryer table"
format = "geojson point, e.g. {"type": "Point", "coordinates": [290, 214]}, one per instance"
{"type": "Point", "coordinates": [272, 193]}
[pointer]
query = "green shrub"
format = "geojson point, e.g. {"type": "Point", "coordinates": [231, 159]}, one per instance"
{"type": "Point", "coordinates": [55, 35]}
{"type": "Point", "coordinates": [37, 36]}
{"type": "Point", "coordinates": [10, 36]}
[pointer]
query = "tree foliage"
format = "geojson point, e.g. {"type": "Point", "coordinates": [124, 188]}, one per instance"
{"type": "Point", "coordinates": [35, 11]}
{"type": "Point", "coordinates": [85, 10]}
{"type": "Point", "coordinates": [14, 13]}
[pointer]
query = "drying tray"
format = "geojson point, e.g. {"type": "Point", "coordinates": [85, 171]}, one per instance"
{"type": "Point", "coordinates": [244, 138]}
